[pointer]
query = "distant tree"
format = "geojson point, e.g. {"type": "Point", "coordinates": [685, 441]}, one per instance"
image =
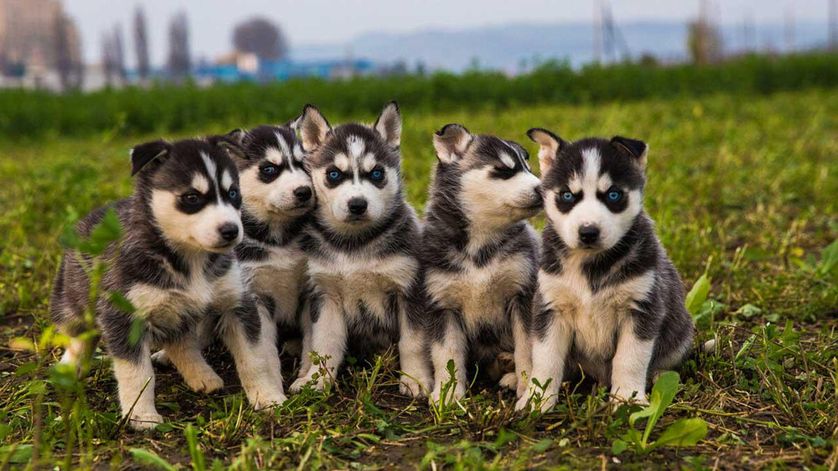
{"type": "Point", "coordinates": [108, 61]}
{"type": "Point", "coordinates": [704, 42]}
{"type": "Point", "coordinates": [261, 37]}
{"type": "Point", "coordinates": [68, 62]}
{"type": "Point", "coordinates": [180, 60]}
{"type": "Point", "coordinates": [141, 44]}
{"type": "Point", "coordinates": [118, 46]}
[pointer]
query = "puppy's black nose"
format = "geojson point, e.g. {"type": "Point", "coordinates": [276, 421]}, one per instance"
{"type": "Point", "coordinates": [302, 193]}
{"type": "Point", "coordinates": [229, 231]}
{"type": "Point", "coordinates": [588, 234]}
{"type": "Point", "coordinates": [357, 206]}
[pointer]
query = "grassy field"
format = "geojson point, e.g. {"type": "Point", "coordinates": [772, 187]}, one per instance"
{"type": "Point", "coordinates": [743, 190]}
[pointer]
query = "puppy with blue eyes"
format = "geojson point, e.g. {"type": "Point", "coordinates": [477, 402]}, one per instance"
{"type": "Point", "coordinates": [174, 263]}
{"type": "Point", "coordinates": [609, 302]}
{"type": "Point", "coordinates": [479, 256]}
{"type": "Point", "coordinates": [277, 200]}
{"type": "Point", "coordinates": [361, 248]}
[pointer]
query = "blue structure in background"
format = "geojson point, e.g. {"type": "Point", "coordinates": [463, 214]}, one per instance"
{"type": "Point", "coordinates": [284, 70]}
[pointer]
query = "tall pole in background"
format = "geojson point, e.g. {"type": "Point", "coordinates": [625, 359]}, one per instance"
{"type": "Point", "coordinates": [597, 38]}
{"type": "Point", "coordinates": [833, 24]}
{"type": "Point", "coordinates": [788, 30]}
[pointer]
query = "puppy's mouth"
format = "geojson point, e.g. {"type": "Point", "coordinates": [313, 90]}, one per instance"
{"type": "Point", "coordinates": [296, 210]}
{"type": "Point", "coordinates": [532, 206]}
{"type": "Point", "coordinates": [357, 219]}
{"type": "Point", "coordinates": [224, 246]}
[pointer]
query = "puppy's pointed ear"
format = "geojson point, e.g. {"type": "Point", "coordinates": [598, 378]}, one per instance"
{"type": "Point", "coordinates": [389, 124]}
{"type": "Point", "coordinates": [149, 155]}
{"type": "Point", "coordinates": [632, 147]}
{"type": "Point", "coordinates": [294, 123]}
{"type": "Point", "coordinates": [313, 128]}
{"type": "Point", "coordinates": [519, 149]}
{"type": "Point", "coordinates": [233, 142]}
{"type": "Point", "coordinates": [549, 146]}
{"type": "Point", "coordinates": [451, 142]}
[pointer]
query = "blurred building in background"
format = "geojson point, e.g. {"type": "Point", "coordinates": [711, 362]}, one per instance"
{"type": "Point", "coordinates": [40, 46]}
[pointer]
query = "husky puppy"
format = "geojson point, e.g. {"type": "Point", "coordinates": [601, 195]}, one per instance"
{"type": "Point", "coordinates": [361, 248]}
{"type": "Point", "coordinates": [277, 200]}
{"type": "Point", "coordinates": [479, 254]}
{"type": "Point", "coordinates": [174, 263]}
{"type": "Point", "coordinates": [609, 300]}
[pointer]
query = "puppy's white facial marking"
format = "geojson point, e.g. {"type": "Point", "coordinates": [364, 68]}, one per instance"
{"type": "Point", "coordinates": [590, 170]}
{"type": "Point", "coordinates": [210, 165]}
{"type": "Point", "coordinates": [226, 180]}
{"type": "Point", "coordinates": [604, 183]}
{"type": "Point", "coordinates": [200, 183]}
{"type": "Point", "coordinates": [368, 162]}
{"type": "Point", "coordinates": [355, 145]}
{"type": "Point", "coordinates": [283, 145]}
{"type": "Point", "coordinates": [342, 162]}
{"type": "Point", "coordinates": [273, 155]}
{"type": "Point", "coordinates": [507, 160]}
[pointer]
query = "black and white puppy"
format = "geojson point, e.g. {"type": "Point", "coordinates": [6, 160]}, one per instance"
{"type": "Point", "coordinates": [479, 255]}
{"type": "Point", "coordinates": [609, 299]}
{"type": "Point", "coordinates": [174, 263]}
{"type": "Point", "coordinates": [361, 248]}
{"type": "Point", "coordinates": [277, 201]}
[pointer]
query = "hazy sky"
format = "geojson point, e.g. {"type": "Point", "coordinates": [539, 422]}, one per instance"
{"type": "Point", "coordinates": [335, 21]}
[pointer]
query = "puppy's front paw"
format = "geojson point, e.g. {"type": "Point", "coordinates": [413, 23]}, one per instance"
{"type": "Point", "coordinates": [451, 395]}
{"type": "Point", "coordinates": [206, 382]}
{"type": "Point", "coordinates": [145, 421]}
{"type": "Point", "coordinates": [267, 400]}
{"type": "Point", "coordinates": [509, 381]}
{"type": "Point", "coordinates": [300, 383]}
{"type": "Point", "coordinates": [410, 387]}
{"type": "Point", "coordinates": [635, 397]}
{"type": "Point", "coordinates": [161, 358]}
{"type": "Point", "coordinates": [523, 403]}
{"type": "Point", "coordinates": [528, 401]}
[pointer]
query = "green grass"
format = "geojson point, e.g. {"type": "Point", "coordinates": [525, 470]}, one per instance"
{"type": "Point", "coordinates": [167, 108]}
{"type": "Point", "coordinates": [742, 188]}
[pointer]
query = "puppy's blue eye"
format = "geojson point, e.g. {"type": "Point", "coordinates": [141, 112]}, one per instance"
{"type": "Point", "coordinates": [233, 193]}
{"type": "Point", "coordinates": [333, 175]}
{"type": "Point", "coordinates": [269, 170]}
{"type": "Point", "coordinates": [377, 175]}
{"type": "Point", "coordinates": [567, 196]}
{"type": "Point", "coordinates": [614, 195]}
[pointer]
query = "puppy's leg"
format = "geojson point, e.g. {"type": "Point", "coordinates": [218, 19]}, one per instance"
{"type": "Point", "coordinates": [135, 381]}
{"type": "Point", "coordinates": [186, 355]}
{"type": "Point", "coordinates": [630, 364]}
{"type": "Point", "coordinates": [305, 328]}
{"type": "Point", "coordinates": [549, 353]}
{"type": "Point", "coordinates": [451, 347]}
{"type": "Point", "coordinates": [205, 335]}
{"type": "Point", "coordinates": [416, 375]}
{"type": "Point", "coordinates": [250, 334]}
{"type": "Point", "coordinates": [328, 340]}
{"type": "Point", "coordinates": [523, 355]}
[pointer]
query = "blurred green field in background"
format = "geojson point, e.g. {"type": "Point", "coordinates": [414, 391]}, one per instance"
{"type": "Point", "coordinates": [742, 186]}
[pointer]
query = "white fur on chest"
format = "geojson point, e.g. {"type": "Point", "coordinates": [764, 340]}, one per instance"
{"type": "Point", "coordinates": [281, 276]}
{"type": "Point", "coordinates": [165, 308]}
{"type": "Point", "coordinates": [480, 293]}
{"type": "Point", "coordinates": [350, 281]}
{"type": "Point", "coordinates": [594, 318]}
